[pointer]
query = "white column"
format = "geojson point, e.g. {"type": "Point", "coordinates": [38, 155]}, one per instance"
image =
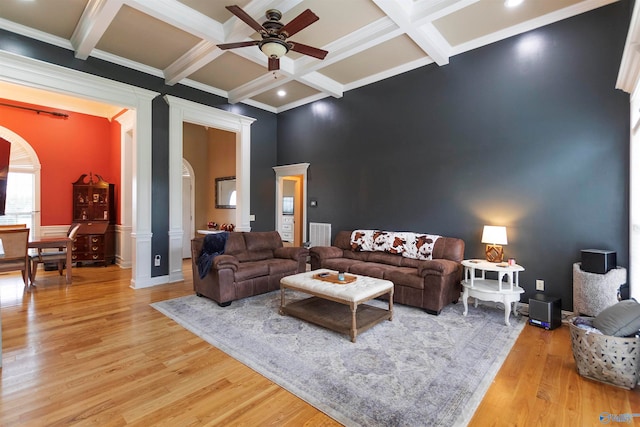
{"type": "Point", "coordinates": [176, 118]}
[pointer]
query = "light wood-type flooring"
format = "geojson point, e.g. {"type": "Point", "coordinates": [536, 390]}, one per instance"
{"type": "Point", "coordinates": [95, 353]}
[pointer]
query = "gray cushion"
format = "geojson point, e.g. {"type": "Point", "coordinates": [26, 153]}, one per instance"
{"type": "Point", "coordinates": [619, 320]}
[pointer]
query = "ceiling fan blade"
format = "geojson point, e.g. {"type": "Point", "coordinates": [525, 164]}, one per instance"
{"type": "Point", "coordinates": [244, 16]}
{"type": "Point", "coordinates": [238, 44]}
{"type": "Point", "coordinates": [308, 50]}
{"type": "Point", "coordinates": [300, 22]}
{"type": "Point", "coordinates": [274, 64]}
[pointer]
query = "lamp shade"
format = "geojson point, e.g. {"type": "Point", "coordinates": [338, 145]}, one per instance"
{"type": "Point", "coordinates": [494, 235]}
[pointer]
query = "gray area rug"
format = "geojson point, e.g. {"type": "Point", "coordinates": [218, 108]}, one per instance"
{"type": "Point", "coordinates": [416, 370]}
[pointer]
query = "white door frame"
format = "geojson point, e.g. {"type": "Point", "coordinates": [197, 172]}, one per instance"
{"type": "Point", "coordinates": [180, 111]}
{"type": "Point", "coordinates": [192, 208]}
{"type": "Point", "coordinates": [288, 170]}
{"type": "Point", "coordinates": [35, 168]}
{"type": "Point", "coordinates": [29, 72]}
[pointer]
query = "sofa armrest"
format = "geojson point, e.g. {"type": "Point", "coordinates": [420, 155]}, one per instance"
{"type": "Point", "coordinates": [225, 261]}
{"type": "Point", "coordinates": [294, 253]}
{"type": "Point", "coordinates": [440, 267]}
{"type": "Point", "coordinates": [325, 252]}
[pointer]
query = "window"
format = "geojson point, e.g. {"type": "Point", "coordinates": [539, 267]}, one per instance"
{"type": "Point", "coordinates": [19, 207]}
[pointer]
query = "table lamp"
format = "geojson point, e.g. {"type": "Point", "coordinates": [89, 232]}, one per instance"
{"type": "Point", "coordinates": [494, 237]}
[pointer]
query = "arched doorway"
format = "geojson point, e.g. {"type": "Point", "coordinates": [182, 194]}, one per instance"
{"type": "Point", "coordinates": [24, 160]}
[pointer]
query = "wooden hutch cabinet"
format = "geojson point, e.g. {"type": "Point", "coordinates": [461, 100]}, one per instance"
{"type": "Point", "coordinates": [94, 210]}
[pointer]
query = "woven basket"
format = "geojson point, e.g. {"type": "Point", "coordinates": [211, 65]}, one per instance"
{"type": "Point", "coordinates": [611, 360]}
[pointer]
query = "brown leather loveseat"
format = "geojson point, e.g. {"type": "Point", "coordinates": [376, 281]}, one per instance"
{"type": "Point", "coordinates": [428, 284]}
{"type": "Point", "coordinates": [253, 263]}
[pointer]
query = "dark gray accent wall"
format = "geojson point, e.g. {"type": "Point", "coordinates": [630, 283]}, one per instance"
{"type": "Point", "coordinates": [528, 132]}
{"type": "Point", "coordinates": [160, 185]}
{"type": "Point", "coordinates": [263, 135]}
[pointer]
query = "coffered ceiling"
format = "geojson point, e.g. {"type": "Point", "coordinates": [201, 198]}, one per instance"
{"type": "Point", "coordinates": [367, 40]}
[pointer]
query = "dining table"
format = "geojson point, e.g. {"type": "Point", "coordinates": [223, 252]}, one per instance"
{"type": "Point", "coordinates": [62, 242]}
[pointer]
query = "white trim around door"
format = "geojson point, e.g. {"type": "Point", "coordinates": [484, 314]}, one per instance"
{"type": "Point", "coordinates": [181, 111]}
{"type": "Point", "coordinates": [33, 73]}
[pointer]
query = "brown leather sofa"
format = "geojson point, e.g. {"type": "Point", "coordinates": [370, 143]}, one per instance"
{"type": "Point", "coordinates": [253, 263]}
{"type": "Point", "coordinates": [428, 284]}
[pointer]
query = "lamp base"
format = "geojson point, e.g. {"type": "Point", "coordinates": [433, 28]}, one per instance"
{"type": "Point", "coordinates": [494, 253]}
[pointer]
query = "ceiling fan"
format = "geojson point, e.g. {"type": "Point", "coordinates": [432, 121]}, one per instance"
{"type": "Point", "coordinates": [274, 34]}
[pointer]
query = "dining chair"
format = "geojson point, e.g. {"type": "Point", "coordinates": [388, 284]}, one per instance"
{"type": "Point", "coordinates": [12, 226]}
{"type": "Point", "coordinates": [59, 256]}
{"type": "Point", "coordinates": [15, 246]}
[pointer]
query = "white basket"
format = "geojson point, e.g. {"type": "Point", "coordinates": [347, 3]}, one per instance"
{"type": "Point", "coordinates": [604, 358]}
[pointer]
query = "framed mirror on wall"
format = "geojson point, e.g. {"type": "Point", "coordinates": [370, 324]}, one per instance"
{"type": "Point", "coordinates": [226, 192]}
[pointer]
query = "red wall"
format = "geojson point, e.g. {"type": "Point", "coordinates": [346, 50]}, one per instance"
{"type": "Point", "coordinates": [67, 148]}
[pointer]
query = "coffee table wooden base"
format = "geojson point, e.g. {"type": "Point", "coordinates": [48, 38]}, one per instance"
{"type": "Point", "coordinates": [347, 319]}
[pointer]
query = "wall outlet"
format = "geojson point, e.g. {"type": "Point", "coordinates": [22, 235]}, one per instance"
{"type": "Point", "coordinates": [252, 217]}
{"type": "Point", "coordinates": [156, 261]}
{"type": "Point", "coordinates": [539, 285]}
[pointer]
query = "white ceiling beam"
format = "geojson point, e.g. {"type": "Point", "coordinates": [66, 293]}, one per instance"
{"type": "Point", "coordinates": [322, 83]}
{"type": "Point", "coordinates": [403, 68]}
{"type": "Point", "coordinates": [206, 51]}
{"type": "Point", "coordinates": [180, 16]}
{"type": "Point", "coordinates": [360, 40]}
{"type": "Point", "coordinates": [629, 72]}
{"type": "Point", "coordinates": [95, 20]}
{"type": "Point", "coordinates": [408, 21]}
{"type": "Point", "coordinates": [196, 58]}
{"type": "Point", "coordinates": [371, 35]}
{"type": "Point", "coordinates": [424, 11]}
{"type": "Point", "coordinates": [304, 69]}
{"type": "Point", "coordinates": [262, 84]}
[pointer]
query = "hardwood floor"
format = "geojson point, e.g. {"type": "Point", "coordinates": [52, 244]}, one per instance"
{"type": "Point", "coordinates": [96, 353]}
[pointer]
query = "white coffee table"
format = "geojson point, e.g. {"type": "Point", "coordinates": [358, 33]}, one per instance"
{"type": "Point", "coordinates": [338, 307]}
{"type": "Point", "coordinates": [493, 290]}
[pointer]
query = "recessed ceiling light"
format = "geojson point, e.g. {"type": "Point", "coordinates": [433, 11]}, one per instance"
{"type": "Point", "coordinates": [281, 93]}
{"type": "Point", "coordinates": [512, 3]}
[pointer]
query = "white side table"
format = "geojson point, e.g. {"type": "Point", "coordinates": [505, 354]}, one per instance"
{"type": "Point", "coordinates": [494, 290]}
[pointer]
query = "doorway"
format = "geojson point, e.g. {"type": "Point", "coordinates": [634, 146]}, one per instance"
{"type": "Point", "coordinates": [291, 221]}
{"type": "Point", "coordinates": [291, 202]}
{"type": "Point", "coordinates": [188, 208]}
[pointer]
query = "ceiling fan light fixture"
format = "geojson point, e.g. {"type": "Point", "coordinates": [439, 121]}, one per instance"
{"type": "Point", "coordinates": [274, 48]}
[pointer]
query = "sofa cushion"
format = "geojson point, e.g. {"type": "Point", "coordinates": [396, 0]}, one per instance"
{"type": "Point", "coordinates": [235, 244]}
{"type": "Point", "coordinates": [385, 258]}
{"type": "Point", "coordinates": [371, 269]}
{"type": "Point", "coordinates": [360, 256]}
{"type": "Point", "coordinates": [246, 256]}
{"type": "Point", "coordinates": [340, 264]}
{"type": "Point", "coordinates": [262, 240]}
{"type": "Point", "coordinates": [343, 240]}
{"type": "Point", "coordinates": [405, 276]}
{"type": "Point", "coordinates": [281, 266]}
{"type": "Point", "coordinates": [291, 252]}
{"type": "Point", "coordinates": [250, 270]}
